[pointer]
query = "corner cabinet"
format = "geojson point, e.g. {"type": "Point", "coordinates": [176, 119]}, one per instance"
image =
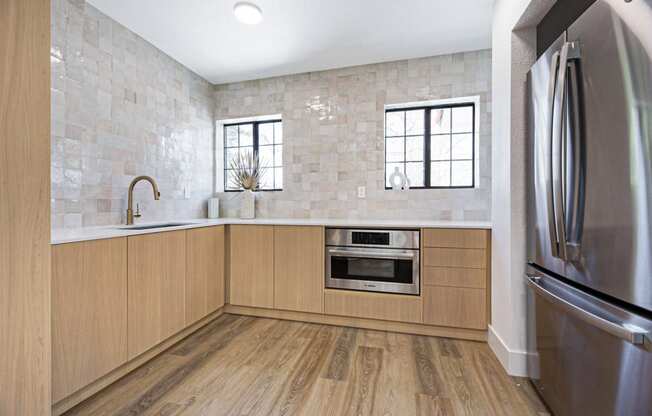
{"type": "Point", "coordinates": [204, 272]}
{"type": "Point", "coordinates": [115, 299]}
{"type": "Point", "coordinates": [251, 265]}
{"type": "Point", "coordinates": [157, 282]}
{"type": "Point", "coordinates": [89, 312]}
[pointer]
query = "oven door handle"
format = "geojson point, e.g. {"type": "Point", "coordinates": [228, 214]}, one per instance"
{"type": "Point", "coordinates": [375, 254]}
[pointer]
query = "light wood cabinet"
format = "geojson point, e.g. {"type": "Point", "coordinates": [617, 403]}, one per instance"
{"type": "Point", "coordinates": [251, 265]}
{"type": "Point", "coordinates": [456, 278]}
{"type": "Point", "coordinates": [455, 306]}
{"type": "Point", "coordinates": [89, 312]}
{"type": "Point", "coordinates": [455, 257]}
{"type": "Point", "coordinates": [299, 268]}
{"type": "Point", "coordinates": [455, 238]}
{"type": "Point", "coordinates": [156, 305]}
{"type": "Point", "coordinates": [204, 272]}
{"type": "Point", "coordinates": [390, 307]}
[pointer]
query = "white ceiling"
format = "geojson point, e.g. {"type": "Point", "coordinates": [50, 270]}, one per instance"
{"type": "Point", "coordinates": [302, 35]}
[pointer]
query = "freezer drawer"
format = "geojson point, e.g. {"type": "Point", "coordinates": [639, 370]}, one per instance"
{"type": "Point", "coordinates": [588, 356]}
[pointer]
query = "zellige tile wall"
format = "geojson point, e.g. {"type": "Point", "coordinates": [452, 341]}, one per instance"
{"type": "Point", "coordinates": [333, 137]}
{"type": "Point", "coordinates": [122, 108]}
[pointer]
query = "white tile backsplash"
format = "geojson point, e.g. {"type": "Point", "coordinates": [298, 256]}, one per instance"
{"type": "Point", "coordinates": [333, 137]}
{"type": "Point", "coordinates": [122, 108]}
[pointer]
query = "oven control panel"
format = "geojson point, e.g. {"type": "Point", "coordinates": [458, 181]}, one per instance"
{"type": "Point", "coordinates": [379, 238]}
{"type": "Point", "coordinates": [370, 238]}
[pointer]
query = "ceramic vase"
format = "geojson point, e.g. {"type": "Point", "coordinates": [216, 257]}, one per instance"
{"type": "Point", "coordinates": [213, 208]}
{"type": "Point", "coordinates": [248, 204]}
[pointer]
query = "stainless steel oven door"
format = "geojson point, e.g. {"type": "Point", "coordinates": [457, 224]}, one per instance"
{"type": "Point", "coordinates": [373, 270]}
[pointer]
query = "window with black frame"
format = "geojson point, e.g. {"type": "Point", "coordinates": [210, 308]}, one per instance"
{"type": "Point", "coordinates": [261, 138]}
{"type": "Point", "coordinates": [433, 146]}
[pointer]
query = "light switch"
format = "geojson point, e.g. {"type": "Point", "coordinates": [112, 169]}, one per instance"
{"type": "Point", "coordinates": [362, 192]}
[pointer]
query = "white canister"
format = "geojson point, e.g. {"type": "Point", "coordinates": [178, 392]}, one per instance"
{"type": "Point", "coordinates": [213, 208]}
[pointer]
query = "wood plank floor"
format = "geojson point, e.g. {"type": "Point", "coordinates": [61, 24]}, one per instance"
{"type": "Point", "coordinates": [252, 366]}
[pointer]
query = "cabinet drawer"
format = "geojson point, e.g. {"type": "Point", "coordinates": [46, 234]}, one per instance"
{"type": "Point", "coordinates": [454, 306]}
{"type": "Point", "coordinates": [455, 257]}
{"type": "Point", "coordinates": [454, 238]}
{"type": "Point", "coordinates": [447, 276]}
{"type": "Point", "coordinates": [401, 308]}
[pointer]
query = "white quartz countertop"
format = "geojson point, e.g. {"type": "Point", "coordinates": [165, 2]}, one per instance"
{"type": "Point", "coordinates": [71, 235]}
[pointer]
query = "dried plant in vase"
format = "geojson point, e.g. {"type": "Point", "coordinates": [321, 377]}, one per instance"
{"type": "Point", "coordinates": [248, 172]}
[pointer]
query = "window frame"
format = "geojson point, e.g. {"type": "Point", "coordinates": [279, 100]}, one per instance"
{"type": "Point", "coordinates": [427, 145]}
{"type": "Point", "coordinates": [255, 146]}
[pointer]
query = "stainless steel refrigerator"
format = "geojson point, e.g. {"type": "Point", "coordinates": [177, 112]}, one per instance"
{"type": "Point", "coordinates": [589, 269]}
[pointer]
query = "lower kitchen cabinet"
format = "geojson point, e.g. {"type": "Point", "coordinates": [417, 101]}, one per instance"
{"type": "Point", "coordinates": [455, 284]}
{"type": "Point", "coordinates": [89, 312]}
{"type": "Point", "coordinates": [299, 268]}
{"type": "Point", "coordinates": [204, 272]}
{"type": "Point", "coordinates": [157, 281]}
{"type": "Point", "coordinates": [458, 307]}
{"type": "Point", "coordinates": [114, 299]}
{"type": "Point", "coordinates": [251, 265]}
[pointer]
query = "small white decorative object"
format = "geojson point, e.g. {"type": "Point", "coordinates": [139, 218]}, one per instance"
{"type": "Point", "coordinates": [213, 208]}
{"type": "Point", "coordinates": [247, 204]}
{"type": "Point", "coordinates": [399, 181]}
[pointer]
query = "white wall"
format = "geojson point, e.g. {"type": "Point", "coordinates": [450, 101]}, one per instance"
{"type": "Point", "coordinates": [513, 52]}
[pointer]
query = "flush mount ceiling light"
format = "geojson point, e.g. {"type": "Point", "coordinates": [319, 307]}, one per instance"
{"type": "Point", "coordinates": [248, 13]}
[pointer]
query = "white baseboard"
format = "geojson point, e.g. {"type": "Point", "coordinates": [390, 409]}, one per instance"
{"type": "Point", "coordinates": [514, 361]}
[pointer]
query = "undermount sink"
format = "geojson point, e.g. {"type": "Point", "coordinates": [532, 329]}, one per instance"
{"type": "Point", "coordinates": [150, 226]}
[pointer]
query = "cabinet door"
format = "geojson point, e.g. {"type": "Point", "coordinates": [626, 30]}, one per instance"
{"type": "Point", "coordinates": [251, 263]}
{"type": "Point", "coordinates": [157, 281]}
{"type": "Point", "coordinates": [89, 312]}
{"type": "Point", "coordinates": [204, 272]}
{"type": "Point", "coordinates": [299, 268]}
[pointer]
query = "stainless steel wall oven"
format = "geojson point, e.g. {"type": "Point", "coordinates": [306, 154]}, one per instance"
{"type": "Point", "coordinates": [373, 260]}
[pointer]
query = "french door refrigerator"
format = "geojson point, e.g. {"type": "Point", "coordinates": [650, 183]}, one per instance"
{"type": "Point", "coordinates": [589, 269]}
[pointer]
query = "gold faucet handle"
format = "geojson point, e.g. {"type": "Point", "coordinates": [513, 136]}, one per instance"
{"type": "Point", "coordinates": [137, 214]}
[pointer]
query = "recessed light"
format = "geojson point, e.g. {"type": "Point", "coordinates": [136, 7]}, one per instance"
{"type": "Point", "coordinates": [248, 13]}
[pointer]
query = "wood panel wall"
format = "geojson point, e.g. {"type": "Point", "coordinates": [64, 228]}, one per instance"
{"type": "Point", "coordinates": [24, 207]}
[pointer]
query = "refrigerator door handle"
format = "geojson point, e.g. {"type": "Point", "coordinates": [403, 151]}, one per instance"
{"type": "Point", "coordinates": [550, 196]}
{"type": "Point", "coordinates": [556, 153]}
{"type": "Point", "coordinates": [575, 162]}
{"type": "Point", "coordinates": [627, 332]}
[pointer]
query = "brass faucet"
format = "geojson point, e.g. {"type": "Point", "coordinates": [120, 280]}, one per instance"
{"type": "Point", "coordinates": [130, 203]}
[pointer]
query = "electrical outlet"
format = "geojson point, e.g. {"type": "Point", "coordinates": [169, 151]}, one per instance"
{"type": "Point", "coordinates": [362, 192]}
{"type": "Point", "coordinates": [186, 192]}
